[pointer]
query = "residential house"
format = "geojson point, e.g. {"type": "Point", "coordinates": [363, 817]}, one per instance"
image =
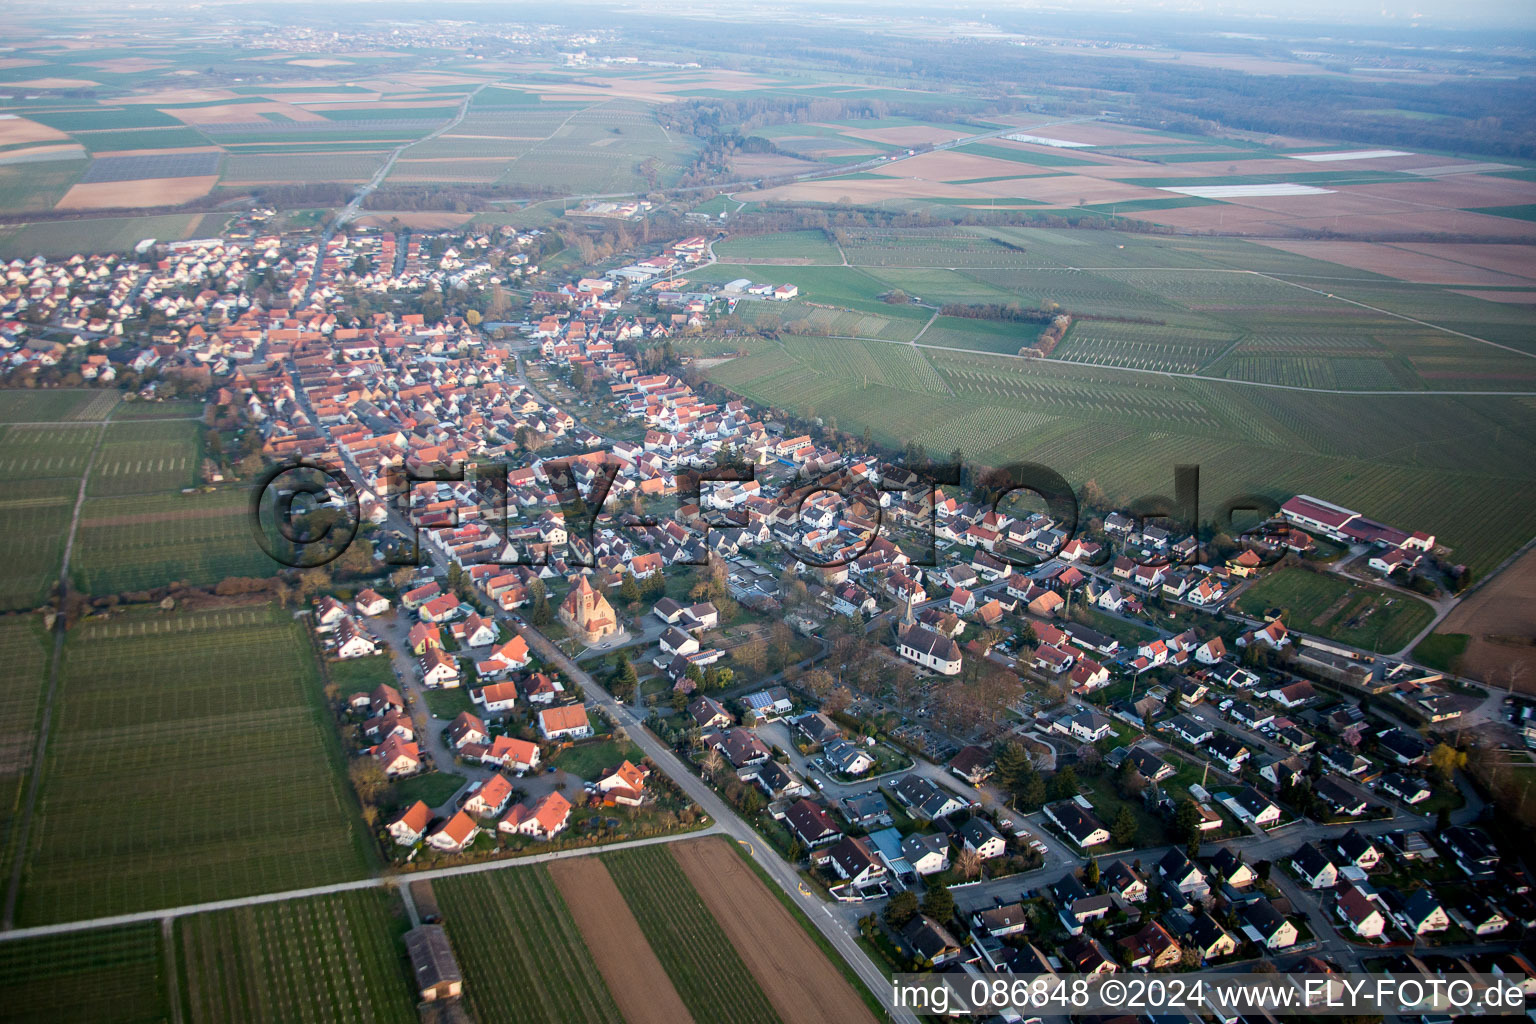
{"type": "Point", "coordinates": [851, 860]}
{"type": "Point", "coordinates": [407, 829]}
{"type": "Point", "coordinates": [1078, 823]}
{"type": "Point", "coordinates": [1313, 867]}
{"type": "Point", "coordinates": [811, 824]}
{"type": "Point", "coordinates": [1266, 926]}
{"type": "Point", "coordinates": [545, 818]}
{"type": "Point", "coordinates": [455, 834]}
{"type": "Point", "coordinates": [489, 800]}
{"type": "Point", "coordinates": [978, 836]}
{"type": "Point", "coordinates": [929, 941]}
{"type": "Point", "coordinates": [927, 854]}
{"type": "Point", "coordinates": [566, 722]}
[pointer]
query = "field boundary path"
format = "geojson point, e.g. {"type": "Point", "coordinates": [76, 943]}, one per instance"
{"type": "Point", "coordinates": [172, 974]}
{"type": "Point", "coordinates": [373, 882]}
{"type": "Point", "coordinates": [35, 780]}
{"type": "Point", "coordinates": [352, 208]}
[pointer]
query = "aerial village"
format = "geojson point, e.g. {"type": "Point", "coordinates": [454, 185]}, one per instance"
{"type": "Point", "coordinates": [990, 738]}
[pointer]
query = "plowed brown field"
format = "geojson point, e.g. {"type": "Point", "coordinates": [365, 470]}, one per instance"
{"type": "Point", "coordinates": [635, 977]}
{"type": "Point", "coordinates": [804, 986]}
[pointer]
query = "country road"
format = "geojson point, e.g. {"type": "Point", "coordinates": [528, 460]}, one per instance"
{"type": "Point", "coordinates": [350, 211]}
{"type": "Point", "coordinates": [697, 790]}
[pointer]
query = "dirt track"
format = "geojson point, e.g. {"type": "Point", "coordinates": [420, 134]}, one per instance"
{"type": "Point", "coordinates": [802, 984]}
{"type": "Point", "coordinates": [635, 977]}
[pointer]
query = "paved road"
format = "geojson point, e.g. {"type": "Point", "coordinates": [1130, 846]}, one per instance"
{"type": "Point", "coordinates": [832, 927]}
{"type": "Point", "coordinates": [431, 733]}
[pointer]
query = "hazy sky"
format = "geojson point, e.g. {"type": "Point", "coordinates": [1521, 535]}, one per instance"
{"type": "Point", "coordinates": [1440, 13]}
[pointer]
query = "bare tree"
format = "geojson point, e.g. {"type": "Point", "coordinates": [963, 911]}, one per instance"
{"type": "Point", "coordinates": [968, 864]}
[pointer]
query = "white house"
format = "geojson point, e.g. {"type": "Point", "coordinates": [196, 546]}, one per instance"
{"type": "Point", "coordinates": [566, 722]}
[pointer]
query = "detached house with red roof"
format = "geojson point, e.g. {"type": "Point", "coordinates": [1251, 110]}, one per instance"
{"type": "Point", "coordinates": [623, 785]}
{"type": "Point", "coordinates": [1273, 635]}
{"type": "Point", "coordinates": [371, 603]}
{"type": "Point", "coordinates": [491, 798]}
{"type": "Point", "coordinates": [474, 631]}
{"type": "Point", "coordinates": [414, 599]}
{"type": "Point", "coordinates": [406, 830]}
{"type": "Point", "coordinates": [397, 756]}
{"type": "Point", "coordinates": [513, 754]}
{"type": "Point", "coordinates": [424, 636]}
{"type": "Point", "coordinates": [566, 722]}
{"type": "Point", "coordinates": [439, 609]}
{"type": "Point", "coordinates": [545, 818]}
{"type": "Point", "coordinates": [454, 834]}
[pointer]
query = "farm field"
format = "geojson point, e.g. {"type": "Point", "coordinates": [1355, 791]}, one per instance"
{"type": "Point", "coordinates": [31, 452]}
{"type": "Point", "coordinates": [34, 522]}
{"type": "Point", "coordinates": [981, 335]}
{"type": "Point", "coordinates": [94, 234]}
{"type": "Point", "coordinates": [1497, 622]}
{"type": "Point", "coordinates": [1125, 431]}
{"type": "Point", "coordinates": [145, 456]}
{"type": "Point", "coordinates": [1109, 406]}
{"type": "Point", "coordinates": [698, 956]}
{"type": "Point", "coordinates": [798, 246]}
{"type": "Point", "coordinates": [639, 984]}
{"type": "Point", "coordinates": [1330, 606]}
{"type": "Point", "coordinates": [217, 776]}
{"type": "Point", "coordinates": [111, 975]}
{"type": "Point", "coordinates": [175, 409]}
{"type": "Point", "coordinates": [37, 186]}
{"type": "Point", "coordinates": [147, 540]}
{"type": "Point", "coordinates": [804, 986]}
{"type": "Point", "coordinates": [519, 946]}
{"type": "Point", "coordinates": [335, 958]}
{"type": "Point", "coordinates": [25, 649]}
{"type": "Point", "coordinates": [19, 406]}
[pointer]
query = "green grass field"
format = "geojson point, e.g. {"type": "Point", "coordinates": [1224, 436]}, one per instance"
{"type": "Point", "coordinates": [1442, 650]}
{"type": "Point", "coordinates": [518, 947]}
{"type": "Point", "coordinates": [434, 788]}
{"type": "Point", "coordinates": [37, 186]}
{"type": "Point", "coordinates": [587, 760]}
{"type": "Point", "coordinates": [361, 675]}
{"type": "Point", "coordinates": [26, 651]}
{"type": "Point", "coordinates": [191, 759]}
{"type": "Point", "coordinates": [1329, 606]}
{"type": "Point", "coordinates": [809, 246]}
{"type": "Point", "coordinates": [147, 540]}
{"type": "Point", "coordinates": [706, 971]}
{"type": "Point", "coordinates": [333, 958]}
{"type": "Point", "coordinates": [111, 975]}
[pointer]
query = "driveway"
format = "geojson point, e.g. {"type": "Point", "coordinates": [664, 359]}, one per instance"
{"type": "Point", "coordinates": [393, 628]}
